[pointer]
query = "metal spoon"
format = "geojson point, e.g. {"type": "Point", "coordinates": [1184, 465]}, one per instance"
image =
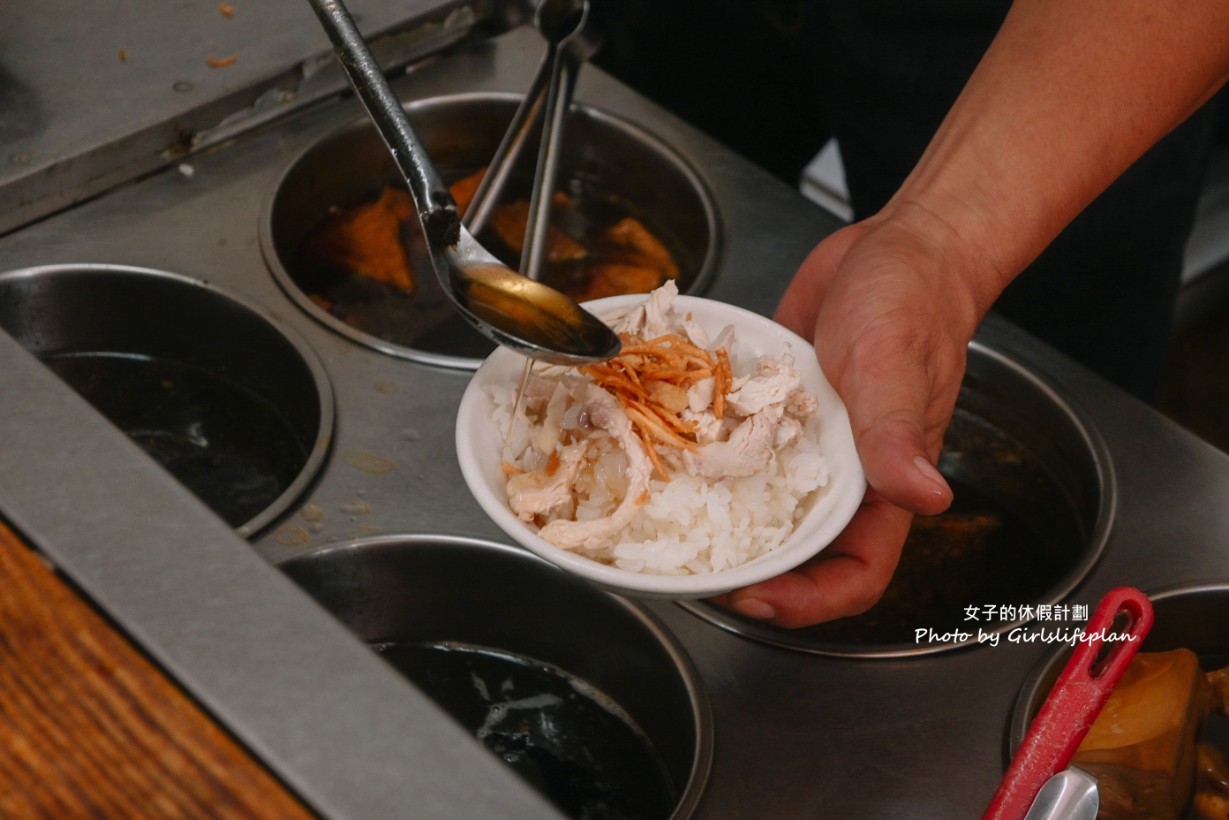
{"type": "Point", "coordinates": [512, 310]}
{"type": "Point", "coordinates": [1069, 795]}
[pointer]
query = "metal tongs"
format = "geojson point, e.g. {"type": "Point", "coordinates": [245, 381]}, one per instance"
{"type": "Point", "coordinates": [570, 42]}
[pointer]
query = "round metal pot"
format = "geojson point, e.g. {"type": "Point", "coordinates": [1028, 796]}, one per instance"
{"type": "Point", "coordinates": [232, 404]}
{"type": "Point", "coordinates": [604, 159]}
{"type": "Point", "coordinates": [1186, 617]}
{"type": "Point", "coordinates": [442, 591]}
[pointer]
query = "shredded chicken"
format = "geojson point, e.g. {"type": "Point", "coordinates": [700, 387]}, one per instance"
{"type": "Point", "coordinates": [544, 491]}
{"type": "Point", "coordinates": [669, 402]}
{"type": "Point", "coordinates": [604, 414]}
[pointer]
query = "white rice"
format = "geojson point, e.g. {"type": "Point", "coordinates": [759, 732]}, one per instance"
{"type": "Point", "coordinates": [689, 525]}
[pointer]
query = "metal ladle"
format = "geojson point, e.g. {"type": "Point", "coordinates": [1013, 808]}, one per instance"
{"type": "Point", "coordinates": [511, 309]}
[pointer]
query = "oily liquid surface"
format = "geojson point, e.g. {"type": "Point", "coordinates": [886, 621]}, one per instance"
{"type": "Point", "coordinates": [233, 450]}
{"type": "Point", "coordinates": [425, 318]}
{"type": "Point", "coordinates": [571, 743]}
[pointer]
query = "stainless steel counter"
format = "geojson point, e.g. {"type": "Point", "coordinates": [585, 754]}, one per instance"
{"type": "Point", "coordinates": [796, 735]}
{"type": "Point", "coordinates": [94, 97]}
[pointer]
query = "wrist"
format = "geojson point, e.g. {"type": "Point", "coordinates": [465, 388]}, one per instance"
{"type": "Point", "coordinates": [965, 273]}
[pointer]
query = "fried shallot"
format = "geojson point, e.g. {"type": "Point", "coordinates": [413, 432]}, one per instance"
{"type": "Point", "coordinates": [652, 380]}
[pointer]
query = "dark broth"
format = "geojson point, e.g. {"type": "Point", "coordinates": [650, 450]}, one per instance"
{"type": "Point", "coordinates": [1009, 537]}
{"type": "Point", "coordinates": [591, 214]}
{"type": "Point", "coordinates": [566, 739]}
{"type": "Point", "coordinates": [223, 442]}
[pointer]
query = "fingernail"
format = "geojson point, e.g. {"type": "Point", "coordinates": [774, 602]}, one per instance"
{"type": "Point", "coordinates": [754, 608]}
{"type": "Point", "coordinates": [931, 474]}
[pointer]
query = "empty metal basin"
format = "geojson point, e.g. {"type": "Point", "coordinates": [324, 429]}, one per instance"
{"type": "Point", "coordinates": [609, 168]}
{"type": "Point", "coordinates": [491, 632]}
{"type": "Point", "coordinates": [1034, 497]}
{"type": "Point", "coordinates": [231, 404]}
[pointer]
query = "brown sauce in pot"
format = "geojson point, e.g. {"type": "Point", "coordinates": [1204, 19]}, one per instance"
{"type": "Point", "coordinates": [1007, 539]}
{"type": "Point", "coordinates": [361, 265]}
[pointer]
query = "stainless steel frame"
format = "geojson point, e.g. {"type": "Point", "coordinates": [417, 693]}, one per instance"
{"type": "Point", "coordinates": [796, 735]}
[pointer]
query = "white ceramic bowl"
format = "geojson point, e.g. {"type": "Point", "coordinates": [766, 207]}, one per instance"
{"type": "Point", "coordinates": [479, 445]}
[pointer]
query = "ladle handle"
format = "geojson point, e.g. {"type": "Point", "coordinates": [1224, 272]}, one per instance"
{"type": "Point", "coordinates": [1074, 702]}
{"type": "Point", "coordinates": [436, 208]}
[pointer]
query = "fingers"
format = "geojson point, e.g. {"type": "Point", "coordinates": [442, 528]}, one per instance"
{"type": "Point", "coordinates": [898, 414]}
{"type": "Point", "coordinates": [845, 579]}
{"type": "Point", "coordinates": [891, 326]}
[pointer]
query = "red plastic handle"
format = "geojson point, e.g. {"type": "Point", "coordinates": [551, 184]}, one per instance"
{"type": "Point", "coordinates": [1075, 701]}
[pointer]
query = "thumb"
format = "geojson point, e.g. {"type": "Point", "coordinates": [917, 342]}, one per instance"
{"type": "Point", "coordinates": [899, 467]}
{"type": "Point", "coordinates": [898, 410]}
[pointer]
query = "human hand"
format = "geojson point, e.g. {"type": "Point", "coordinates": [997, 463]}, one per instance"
{"type": "Point", "coordinates": [891, 319]}
{"type": "Point", "coordinates": [892, 302]}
